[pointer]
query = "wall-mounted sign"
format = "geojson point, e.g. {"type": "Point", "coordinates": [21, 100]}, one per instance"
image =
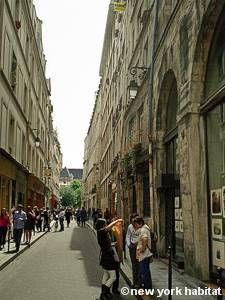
{"type": "Point", "coordinates": [119, 6]}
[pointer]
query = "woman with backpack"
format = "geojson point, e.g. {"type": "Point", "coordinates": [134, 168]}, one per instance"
{"type": "Point", "coordinates": [107, 258]}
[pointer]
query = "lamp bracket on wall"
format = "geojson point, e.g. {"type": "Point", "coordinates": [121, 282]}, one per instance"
{"type": "Point", "coordinates": [140, 72]}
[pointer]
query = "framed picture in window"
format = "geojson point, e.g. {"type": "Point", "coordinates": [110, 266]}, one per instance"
{"type": "Point", "coordinates": [223, 200]}
{"type": "Point", "coordinates": [177, 226]}
{"type": "Point", "coordinates": [181, 226]}
{"type": "Point", "coordinates": [216, 202]}
{"type": "Point", "coordinates": [217, 231]}
{"type": "Point", "coordinates": [181, 214]}
{"type": "Point", "coordinates": [218, 254]}
{"type": "Point", "coordinates": [177, 202]}
{"type": "Point", "coordinates": [177, 214]}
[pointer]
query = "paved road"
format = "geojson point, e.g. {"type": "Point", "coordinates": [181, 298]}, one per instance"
{"type": "Point", "coordinates": [60, 266]}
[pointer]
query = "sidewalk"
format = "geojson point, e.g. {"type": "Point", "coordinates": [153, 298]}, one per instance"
{"type": "Point", "coordinates": [159, 271]}
{"type": "Point", "coordinates": [7, 257]}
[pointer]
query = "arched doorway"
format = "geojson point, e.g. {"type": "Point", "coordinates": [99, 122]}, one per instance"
{"type": "Point", "coordinates": [168, 181]}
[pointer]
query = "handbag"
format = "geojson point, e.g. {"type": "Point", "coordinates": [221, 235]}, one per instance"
{"type": "Point", "coordinates": [115, 254]}
{"type": "Point", "coordinates": [151, 259]}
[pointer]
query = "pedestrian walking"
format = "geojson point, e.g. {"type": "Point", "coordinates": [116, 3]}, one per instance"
{"type": "Point", "coordinates": [61, 219]}
{"type": "Point", "coordinates": [4, 225]}
{"type": "Point", "coordinates": [83, 216]}
{"type": "Point", "coordinates": [78, 216]}
{"type": "Point", "coordinates": [68, 215]}
{"type": "Point", "coordinates": [132, 237]}
{"type": "Point", "coordinates": [19, 218]}
{"type": "Point", "coordinates": [107, 258]}
{"type": "Point", "coordinates": [46, 215]}
{"type": "Point", "coordinates": [29, 225]}
{"type": "Point", "coordinates": [143, 252]}
{"type": "Point", "coordinates": [94, 216]}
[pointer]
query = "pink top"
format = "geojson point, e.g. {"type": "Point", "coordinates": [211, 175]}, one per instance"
{"type": "Point", "coordinates": [4, 221]}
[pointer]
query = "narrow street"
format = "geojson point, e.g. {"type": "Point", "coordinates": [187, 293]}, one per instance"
{"type": "Point", "coordinates": [61, 265]}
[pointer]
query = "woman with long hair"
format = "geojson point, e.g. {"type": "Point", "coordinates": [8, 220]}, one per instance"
{"type": "Point", "coordinates": [107, 259]}
{"type": "Point", "coordinates": [4, 225]}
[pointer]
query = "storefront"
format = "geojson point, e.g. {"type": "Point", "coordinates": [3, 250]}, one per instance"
{"type": "Point", "coordinates": [7, 180]}
{"type": "Point", "coordinates": [213, 110]}
{"type": "Point", "coordinates": [35, 192]}
{"type": "Point", "coordinates": [53, 203]}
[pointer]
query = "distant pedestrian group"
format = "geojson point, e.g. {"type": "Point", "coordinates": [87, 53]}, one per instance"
{"type": "Point", "coordinates": [81, 216]}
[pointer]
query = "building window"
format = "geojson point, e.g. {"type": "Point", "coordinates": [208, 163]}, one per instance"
{"type": "Point", "coordinates": [13, 72]}
{"type": "Point", "coordinates": [25, 99]}
{"type": "Point", "coordinates": [11, 141]}
{"type": "Point", "coordinates": [146, 196]}
{"type": "Point", "coordinates": [131, 132]}
{"type": "Point", "coordinates": [140, 124]}
{"type": "Point", "coordinates": [145, 58]}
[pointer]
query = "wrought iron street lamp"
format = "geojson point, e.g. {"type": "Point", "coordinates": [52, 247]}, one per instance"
{"type": "Point", "coordinates": [136, 72]}
{"type": "Point", "coordinates": [37, 139]}
{"type": "Point", "coordinates": [133, 89]}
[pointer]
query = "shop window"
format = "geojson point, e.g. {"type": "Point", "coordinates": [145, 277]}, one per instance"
{"type": "Point", "coordinates": [216, 174]}
{"type": "Point", "coordinates": [215, 75]}
{"type": "Point", "coordinates": [222, 63]}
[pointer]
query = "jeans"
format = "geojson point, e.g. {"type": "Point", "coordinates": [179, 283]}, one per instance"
{"type": "Point", "coordinates": [17, 237]}
{"type": "Point", "coordinates": [145, 274]}
{"type": "Point", "coordinates": [135, 264]}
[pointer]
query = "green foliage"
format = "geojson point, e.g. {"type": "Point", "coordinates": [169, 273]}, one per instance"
{"type": "Point", "coordinates": [71, 194]}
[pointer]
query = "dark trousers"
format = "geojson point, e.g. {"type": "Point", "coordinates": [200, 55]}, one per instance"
{"type": "Point", "coordinates": [135, 264]}
{"type": "Point", "coordinates": [17, 237]}
{"type": "Point", "coordinates": [116, 282]}
{"type": "Point", "coordinates": [68, 222]}
{"type": "Point", "coordinates": [83, 223]}
{"type": "Point", "coordinates": [145, 274]}
{"type": "Point", "coordinates": [3, 232]}
{"type": "Point", "coordinates": [46, 223]}
{"type": "Point", "coordinates": [61, 221]}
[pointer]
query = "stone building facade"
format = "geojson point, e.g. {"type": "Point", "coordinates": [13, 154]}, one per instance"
{"type": "Point", "coordinates": [91, 192]}
{"type": "Point", "coordinates": [168, 160]}
{"type": "Point", "coordinates": [25, 111]}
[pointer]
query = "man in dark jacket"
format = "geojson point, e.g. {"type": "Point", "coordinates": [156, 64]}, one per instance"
{"type": "Point", "coordinates": [83, 216]}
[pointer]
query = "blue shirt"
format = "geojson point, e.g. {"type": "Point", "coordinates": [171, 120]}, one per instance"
{"type": "Point", "coordinates": [19, 219]}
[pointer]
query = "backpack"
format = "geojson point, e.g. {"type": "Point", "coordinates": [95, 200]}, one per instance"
{"type": "Point", "coordinates": [154, 239]}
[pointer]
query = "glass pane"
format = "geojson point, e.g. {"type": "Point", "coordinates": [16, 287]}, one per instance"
{"type": "Point", "coordinates": [216, 137]}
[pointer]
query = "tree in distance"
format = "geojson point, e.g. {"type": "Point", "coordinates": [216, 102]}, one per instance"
{"type": "Point", "coordinates": [71, 194]}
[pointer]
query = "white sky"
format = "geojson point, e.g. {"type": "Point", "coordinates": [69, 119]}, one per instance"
{"type": "Point", "coordinates": [73, 33]}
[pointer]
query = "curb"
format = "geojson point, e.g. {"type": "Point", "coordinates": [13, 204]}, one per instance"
{"type": "Point", "coordinates": [8, 261]}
